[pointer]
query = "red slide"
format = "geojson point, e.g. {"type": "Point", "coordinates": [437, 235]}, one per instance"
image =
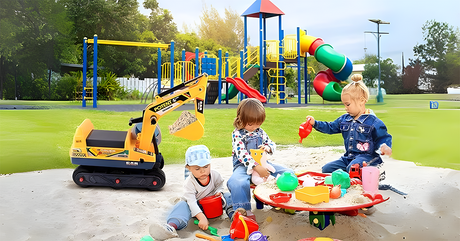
{"type": "Point", "coordinates": [241, 85]}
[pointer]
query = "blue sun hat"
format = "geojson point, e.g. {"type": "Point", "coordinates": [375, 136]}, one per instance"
{"type": "Point", "coordinates": [197, 156]}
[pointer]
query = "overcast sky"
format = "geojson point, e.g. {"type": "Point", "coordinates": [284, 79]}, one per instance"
{"type": "Point", "coordinates": [339, 23]}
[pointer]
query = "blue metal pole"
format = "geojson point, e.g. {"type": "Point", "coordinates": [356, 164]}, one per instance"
{"type": "Point", "coordinates": [184, 77]}
{"type": "Point", "coordinates": [240, 95]}
{"type": "Point", "coordinates": [220, 77]}
{"type": "Point", "coordinates": [226, 65]}
{"type": "Point", "coordinates": [172, 63]}
{"type": "Point", "coordinates": [281, 63]}
{"type": "Point", "coordinates": [379, 93]}
{"type": "Point", "coordinates": [197, 61]}
{"type": "Point", "coordinates": [265, 79]}
{"type": "Point", "coordinates": [299, 81]}
{"type": "Point", "coordinates": [95, 73]}
{"type": "Point", "coordinates": [85, 63]}
{"type": "Point", "coordinates": [307, 80]}
{"type": "Point", "coordinates": [226, 75]}
{"type": "Point", "coordinates": [261, 69]}
{"type": "Point", "coordinates": [245, 49]}
{"type": "Point", "coordinates": [159, 71]}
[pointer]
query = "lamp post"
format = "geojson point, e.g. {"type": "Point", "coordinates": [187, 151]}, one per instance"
{"type": "Point", "coordinates": [378, 22]}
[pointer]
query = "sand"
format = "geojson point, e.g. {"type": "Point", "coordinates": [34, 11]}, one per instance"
{"type": "Point", "coordinates": [48, 205]}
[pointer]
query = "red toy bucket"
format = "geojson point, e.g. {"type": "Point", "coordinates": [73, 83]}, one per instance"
{"type": "Point", "coordinates": [212, 206]}
{"type": "Point", "coordinates": [242, 227]}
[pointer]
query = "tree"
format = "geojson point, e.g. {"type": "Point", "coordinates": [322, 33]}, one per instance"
{"type": "Point", "coordinates": [190, 41]}
{"type": "Point", "coordinates": [227, 31]}
{"type": "Point", "coordinates": [34, 37]}
{"type": "Point", "coordinates": [161, 22]}
{"type": "Point", "coordinates": [411, 77]}
{"type": "Point", "coordinates": [441, 41]}
{"type": "Point", "coordinates": [112, 20]}
{"type": "Point", "coordinates": [390, 80]}
{"type": "Point", "coordinates": [368, 59]}
{"type": "Point", "coordinates": [453, 64]}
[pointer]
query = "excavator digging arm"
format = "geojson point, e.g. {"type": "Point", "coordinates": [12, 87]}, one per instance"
{"type": "Point", "coordinates": [170, 100]}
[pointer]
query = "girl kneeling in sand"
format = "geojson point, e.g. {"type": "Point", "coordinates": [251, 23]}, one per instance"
{"type": "Point", "coordinates": [365, 136]}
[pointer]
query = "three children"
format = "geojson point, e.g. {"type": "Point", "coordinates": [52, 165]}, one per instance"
{"type": "Point", "coordinates": [365, 138]}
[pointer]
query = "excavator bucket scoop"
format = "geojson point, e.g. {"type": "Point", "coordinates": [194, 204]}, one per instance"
{"type": "Point", "coordinates": [187, 126]}
{"type": "Point", "coordinates": [191, 132]}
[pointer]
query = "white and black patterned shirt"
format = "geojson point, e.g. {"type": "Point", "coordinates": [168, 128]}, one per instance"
{"type": "Point", "coordinates": [239, 142]}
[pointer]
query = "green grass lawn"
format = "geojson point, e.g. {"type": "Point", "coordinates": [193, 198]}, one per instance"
{"type": "Point", "coordinates": [40, 139]}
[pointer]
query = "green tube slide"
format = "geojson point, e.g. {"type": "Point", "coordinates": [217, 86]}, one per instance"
{"type": "Point", "coordinates": [332, 92]}
{"type": "Point", "coordinates": [326, 55]}
{"type": "Point", "coordinates": [232, 92]}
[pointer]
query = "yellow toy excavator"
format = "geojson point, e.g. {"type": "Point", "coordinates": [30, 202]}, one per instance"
{"type": "Point", "coordinates": [131, 158]}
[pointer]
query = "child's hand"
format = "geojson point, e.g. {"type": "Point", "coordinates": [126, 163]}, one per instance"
{"type": "Point", "coordinates": [218, 194]}
{"type": "Point", "coordinates": [385, 150]}
{"type": "Point", "coordinates": [267, 149]}
{"type": "Point", "coordinates": [312, 120]}
{"type": "Point", "coordinates": [203, 221]}
{"type": "Point", "coordinates": [263, 172]}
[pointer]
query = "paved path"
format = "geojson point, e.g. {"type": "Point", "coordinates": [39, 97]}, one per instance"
{"type": "Point", "coordinates": [140, 107]}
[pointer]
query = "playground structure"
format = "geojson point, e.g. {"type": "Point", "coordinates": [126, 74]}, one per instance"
{"type": "Point", "coordinates": [340, 67]}
{"type": "Point", "coordinates": [270, 60]}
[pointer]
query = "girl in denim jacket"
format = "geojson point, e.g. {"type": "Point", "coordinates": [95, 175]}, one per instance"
{"type": "Point", "coordinates": [365, 136]}
{"type": "Point", "coordinates": [248, 135]}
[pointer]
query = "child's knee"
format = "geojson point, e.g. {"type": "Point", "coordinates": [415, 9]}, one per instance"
{"type": "Point", "coordinates": [238, 183]}
{"type": "Point", "coordinates": [327, 169]}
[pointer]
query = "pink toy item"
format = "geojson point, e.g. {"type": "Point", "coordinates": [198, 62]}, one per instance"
{"type": "Point", "coordinates": [370, 179]}
{"type": "Point", "coordinates": [304, 130]}
{"type": "Point", "coordinates": [260, 156]}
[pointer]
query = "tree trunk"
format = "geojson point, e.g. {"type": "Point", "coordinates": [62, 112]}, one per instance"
{"type": "Point", "coordinates": [2, 76]}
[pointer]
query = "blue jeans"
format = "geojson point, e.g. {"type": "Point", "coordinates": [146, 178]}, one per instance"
{"type": "Point", "coordinates": [181, 214]}
{"type": "Point", "coordinates": [345, 162]}
{"type": "Point", "coordinates": [239, 185]}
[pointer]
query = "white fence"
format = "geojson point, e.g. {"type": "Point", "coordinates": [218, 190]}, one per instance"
{"type": "Point", "coordinates": [137, 84]}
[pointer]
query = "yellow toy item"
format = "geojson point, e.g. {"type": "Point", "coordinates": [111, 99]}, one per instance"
{"type": "Point", "coordinates": [131, 158]}
{"type": "Point", "coordinates": [313, 195]}
{"type": "Point", "coordinates": [260, 156]}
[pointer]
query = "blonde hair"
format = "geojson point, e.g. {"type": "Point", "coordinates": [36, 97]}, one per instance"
{"type": "Point", "coordinates": [356, 89]}
{"type": "Point", "coordinates": [249, 111]}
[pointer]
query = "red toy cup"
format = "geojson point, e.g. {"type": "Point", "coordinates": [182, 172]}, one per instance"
{"type": "Point", "coordinates": [212, 206]}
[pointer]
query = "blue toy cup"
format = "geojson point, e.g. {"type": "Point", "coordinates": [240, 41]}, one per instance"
{"type": "Point", "coordinates": [226, 238]}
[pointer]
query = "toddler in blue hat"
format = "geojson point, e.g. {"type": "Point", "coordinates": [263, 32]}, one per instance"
{"type": "Point", "coordinates": [202, 183]}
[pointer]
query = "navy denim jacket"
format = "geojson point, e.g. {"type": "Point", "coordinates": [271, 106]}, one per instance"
{"type": "Point", "coordinates": [362, 136]}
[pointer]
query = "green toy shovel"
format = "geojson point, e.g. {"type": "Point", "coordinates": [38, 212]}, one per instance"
{"type": "Point", "coordinates": [211, 229]}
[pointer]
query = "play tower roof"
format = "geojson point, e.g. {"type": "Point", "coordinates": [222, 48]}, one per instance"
{"type": "Point", "coordinates": [262, 6]}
